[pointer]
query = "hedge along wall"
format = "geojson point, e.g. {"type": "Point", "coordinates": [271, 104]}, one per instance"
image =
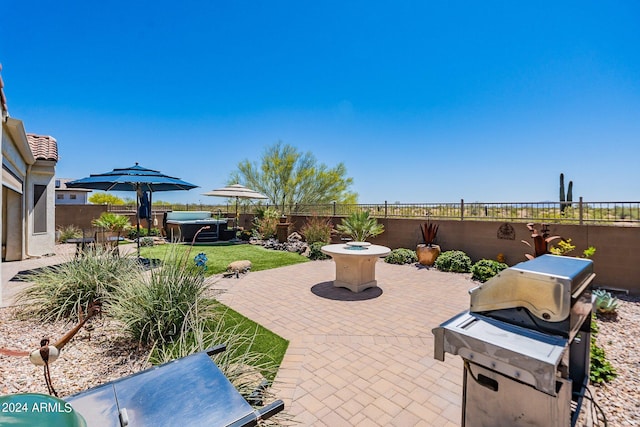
{"type": "Point", "coordinates": [616, 261]}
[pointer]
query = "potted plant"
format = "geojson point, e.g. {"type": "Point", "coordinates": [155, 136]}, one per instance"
{"type": "Point", "coordinates": [427, 252]}
{"type": "Point", "coordinates": [359, 226]}
{"type": "Point", "coordinates": [114, 225]}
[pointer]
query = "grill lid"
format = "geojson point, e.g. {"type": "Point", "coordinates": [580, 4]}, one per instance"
{"type": "Point", "coordinates": [544, 285]}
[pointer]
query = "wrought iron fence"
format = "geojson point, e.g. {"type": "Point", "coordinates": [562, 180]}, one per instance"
{"type": "Point", "coordinates": [580, 212]}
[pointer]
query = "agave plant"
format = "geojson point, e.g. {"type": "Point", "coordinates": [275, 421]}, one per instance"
{"type": "Point", "coordinates": [429, 233]}
{"type": "Point", "coordinates": [605, 302]}
{"type": "Point", "coordinates": [359, 226]}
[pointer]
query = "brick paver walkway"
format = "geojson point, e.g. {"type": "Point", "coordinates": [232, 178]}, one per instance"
{"type": "Point", "coordinates": [359, 363]}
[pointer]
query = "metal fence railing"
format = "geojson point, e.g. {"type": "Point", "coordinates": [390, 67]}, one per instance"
{"type": "Point", "coordinates": [580, 212]}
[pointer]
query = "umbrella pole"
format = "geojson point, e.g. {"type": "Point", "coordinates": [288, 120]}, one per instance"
{"type": "Point", "coordinates": [138, 218]}
{"type": "Point", "coordinates": [236, 214]}
{"type": "Point", "coordinates": [150, 217]}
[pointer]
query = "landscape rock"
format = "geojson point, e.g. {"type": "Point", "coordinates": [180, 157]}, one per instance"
{"type": "Point", "coordinates": [241, 266]}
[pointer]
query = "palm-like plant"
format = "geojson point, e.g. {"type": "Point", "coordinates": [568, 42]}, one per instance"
{"type": "Point", "coordinates": [359, 226]}
{"type": "Point", "coordinates": [114, 223]}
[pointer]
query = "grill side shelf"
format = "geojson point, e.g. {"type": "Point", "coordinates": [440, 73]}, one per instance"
{"type": "Point", "coordinates": [523, 354]}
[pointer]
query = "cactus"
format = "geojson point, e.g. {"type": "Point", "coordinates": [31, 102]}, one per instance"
{"type": "Point", "coordinates": [605, 302]}
{"type": "Point", "coordinates": [565, 201]}
{"type": "Point", "coordinates": [562, 198]}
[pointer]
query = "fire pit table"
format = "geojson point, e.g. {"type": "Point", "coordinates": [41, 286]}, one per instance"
{"type": "Point", "coordinates": [355, 264]}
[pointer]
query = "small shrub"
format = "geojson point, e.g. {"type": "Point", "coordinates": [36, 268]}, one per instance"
{"type": "Point", "coordinates": [146, 241]}
{"type": "Point", "coordinates": [485, 269]}
{"type": "Point", "coordinates": [401, 256]}
{"type": "Point", "coordinates": [69, 232]}
{"type": "Point", "coordinates": [600, 370]}
{"type": "Point", "coordinates": [317, 229]}
{"type": "Point", "coordinates": [132, 233]}
{"type": "Point", "coordinates": [453, 261]}
{"type": "Point", "coordinates": [315, 253]}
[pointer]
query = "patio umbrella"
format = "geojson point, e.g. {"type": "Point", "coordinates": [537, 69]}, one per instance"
{"type": "Point", "coordinates": [236, 191]}
{"type": "Point", "coordinates": [134, 178]}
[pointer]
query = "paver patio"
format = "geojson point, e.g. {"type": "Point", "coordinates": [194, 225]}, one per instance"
{"type": "Point", "coordinates": [349, 363]}
{"type": "Point", "coordinates": [359, 363]}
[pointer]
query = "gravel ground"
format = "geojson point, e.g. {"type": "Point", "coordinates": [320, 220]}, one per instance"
{"type": "Point", "coordinates": [103, 354]}
{"type": "Point", "coordinates": [89, 359]}
{"type": "Point", "coordinates": [620, 339]}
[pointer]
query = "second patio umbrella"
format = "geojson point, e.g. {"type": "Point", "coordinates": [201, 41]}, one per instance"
{"type": "Point", "coordinates": [236, 191]}
{"type": "Point", "coordinates": [135, 178]}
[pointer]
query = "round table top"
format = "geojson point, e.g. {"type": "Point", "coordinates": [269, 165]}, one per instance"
{"type": "Point", "coordinates": [343, 249]}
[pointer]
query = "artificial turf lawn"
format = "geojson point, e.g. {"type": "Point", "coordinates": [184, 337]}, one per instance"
{"type": "Point", "coordinates": [220, 256]}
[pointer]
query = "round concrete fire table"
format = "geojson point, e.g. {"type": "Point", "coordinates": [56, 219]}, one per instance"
{"type": "Point", "coordinates": [355, 264]}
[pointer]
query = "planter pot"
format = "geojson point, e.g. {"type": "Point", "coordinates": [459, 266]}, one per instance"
{"type": "Point", "coordinates": [427, 254]}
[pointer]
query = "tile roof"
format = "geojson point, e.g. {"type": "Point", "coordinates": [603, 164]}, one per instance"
{"type": "Point", "coordinates": [3, 99]}
{"type": "Point", "coordinates": [43, 147]}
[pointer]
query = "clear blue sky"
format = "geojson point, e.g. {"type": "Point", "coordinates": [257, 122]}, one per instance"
{"type": "Point", "coordinates": [423, 101]}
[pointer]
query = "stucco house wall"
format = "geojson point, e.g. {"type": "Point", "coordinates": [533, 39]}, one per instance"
{"type": "Point", "coordinates": [28, 204]}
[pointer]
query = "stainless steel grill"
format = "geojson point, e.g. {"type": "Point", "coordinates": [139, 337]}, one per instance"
{"type": "Point", "coordinates": [525, 344]}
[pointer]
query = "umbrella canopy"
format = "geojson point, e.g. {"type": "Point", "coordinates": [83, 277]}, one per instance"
{"type": "Point", "coordinates": [235, 190]}
{"type": "Point", "coordinates": [134, 178]}
{"type": "Point", "coordinates": [131, 179]}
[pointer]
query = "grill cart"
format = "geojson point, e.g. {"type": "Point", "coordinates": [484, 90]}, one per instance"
{"type": "Point", "coordinates": [525, 343]}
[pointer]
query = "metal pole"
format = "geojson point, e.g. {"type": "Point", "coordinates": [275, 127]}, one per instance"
{"type": "Point", "coordinates": [580, 209]}
{"type": "Point", "coordinates": [461, 209]}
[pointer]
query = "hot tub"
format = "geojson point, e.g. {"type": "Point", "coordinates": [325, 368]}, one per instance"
{"type": "Point", "coordinates": [182, 226]}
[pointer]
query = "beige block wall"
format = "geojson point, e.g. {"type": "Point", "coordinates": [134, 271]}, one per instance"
{"type": "Point", "coordinates": [616, 261]}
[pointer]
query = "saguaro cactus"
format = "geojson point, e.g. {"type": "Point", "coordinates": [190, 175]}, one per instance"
{"type": "Point", "coordinates": [565, 201]}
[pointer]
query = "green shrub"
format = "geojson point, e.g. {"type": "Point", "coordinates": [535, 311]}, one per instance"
{"type": "Point", "coordinates": [600, 369]}
{"type": "Point", "coordinates": [454, 261]}
{"type": "Point", "coordinates": [317, 229]}
{"type": "Point", "coordinates": [59, 291]}
{"type": "Point", "coordinates": [146, 241]}
{"type": "Point", "coordinates": [69, 232]}
{"type": "Point", "coordinates": [401, 256]}
{"type": "Point", "coordinates": [315, 253]}
{"type": "Point", "coordinates": [485, 269]}
{"type": "Point", "coordinates": [132, 233]}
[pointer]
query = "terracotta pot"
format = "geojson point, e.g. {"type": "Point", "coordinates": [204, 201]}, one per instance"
{"type": "Point", "coordinates": [427, 254]}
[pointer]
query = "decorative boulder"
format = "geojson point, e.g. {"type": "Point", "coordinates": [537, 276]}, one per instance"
{"type": "Point", "coordinates": [241, 266]}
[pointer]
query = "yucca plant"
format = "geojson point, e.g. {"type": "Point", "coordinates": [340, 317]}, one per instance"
{"type": "Point", "coordinates": [359, 226]}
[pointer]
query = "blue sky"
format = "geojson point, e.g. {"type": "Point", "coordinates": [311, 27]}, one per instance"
{"type": "Point", "coordinates": [422, 101]}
